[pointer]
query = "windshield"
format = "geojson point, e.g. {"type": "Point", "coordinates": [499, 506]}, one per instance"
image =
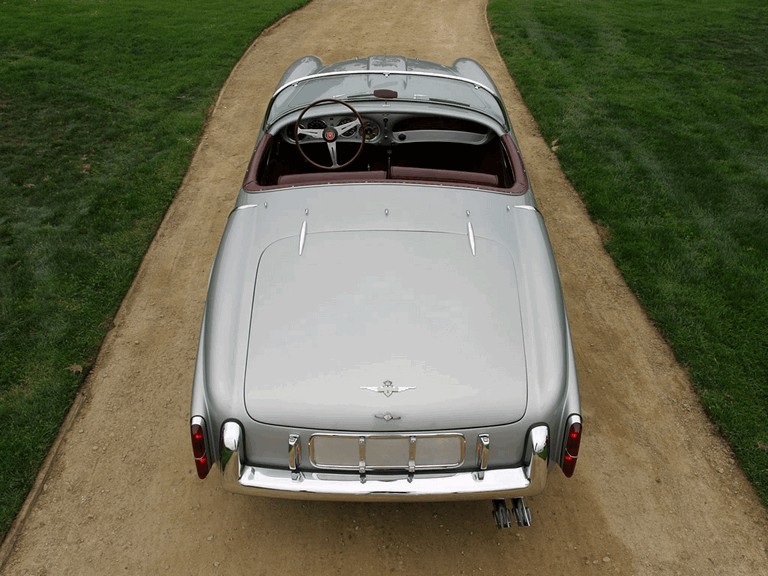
{"type": "Point", "coordinates": [410, 86]}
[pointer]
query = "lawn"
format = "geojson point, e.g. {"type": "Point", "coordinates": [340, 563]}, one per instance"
{"type": "Point", "coordinates": [101, 107]}
{"type": "Point", "coordinates": [660, 112]}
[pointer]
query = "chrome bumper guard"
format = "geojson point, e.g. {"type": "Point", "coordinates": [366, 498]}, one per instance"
{"type": "Point", "coordinates": [525, 480]}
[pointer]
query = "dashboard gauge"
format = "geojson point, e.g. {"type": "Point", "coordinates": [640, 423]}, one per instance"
{"type": "Point", "coordinates": [350, 132]}
{"type": "Point", "coordinates": [313, 124]}
{"type": "Point", "coordinates": [372, 130]}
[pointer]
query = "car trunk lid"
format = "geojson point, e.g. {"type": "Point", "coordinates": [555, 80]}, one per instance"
{"type": "Point", "coordinates": [385, 331]}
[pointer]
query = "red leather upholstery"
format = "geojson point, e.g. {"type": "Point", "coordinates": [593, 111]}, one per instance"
{"type": "Point", "coordinates": [436, 175]}
{"type": "Point", "coordinates": [327, 177]}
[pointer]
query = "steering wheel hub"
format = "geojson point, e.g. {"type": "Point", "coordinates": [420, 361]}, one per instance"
{"type": "Point", "coordinates": [330, 135]}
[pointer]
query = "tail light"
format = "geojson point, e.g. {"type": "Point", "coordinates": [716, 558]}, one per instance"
{"type": "Point", "coordinates": [199, 446]}
{"type": "Point", "coordinates": [572, 442]}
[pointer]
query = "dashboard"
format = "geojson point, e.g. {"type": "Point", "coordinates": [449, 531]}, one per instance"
{"type": "Point", "coordinates": [394, 129]}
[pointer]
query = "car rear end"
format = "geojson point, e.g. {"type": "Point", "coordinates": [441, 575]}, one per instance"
{"type": "Point", "coordinates": [386, 363]}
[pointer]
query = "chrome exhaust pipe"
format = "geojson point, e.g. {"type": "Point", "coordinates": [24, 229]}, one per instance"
{"type": "Point", "coordinates": [522, 512]}
{"type": "Point", "coordinates": [501, 514]}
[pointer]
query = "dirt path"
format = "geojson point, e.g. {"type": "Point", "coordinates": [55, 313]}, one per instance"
{"type": "Point", "coordinates": [656, 491]}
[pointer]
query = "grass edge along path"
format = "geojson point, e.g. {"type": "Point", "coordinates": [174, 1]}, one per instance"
{"type": "Point", "coordinates": [101, 108]}
{"type": "Point", "coordinates": [661, 124]}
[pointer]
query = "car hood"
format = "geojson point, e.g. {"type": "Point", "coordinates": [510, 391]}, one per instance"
{"type": "Point", "coordinates": [385, 330]}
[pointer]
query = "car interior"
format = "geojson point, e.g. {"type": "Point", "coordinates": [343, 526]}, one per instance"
{"type": "Point", "coordinates": [386, 147]}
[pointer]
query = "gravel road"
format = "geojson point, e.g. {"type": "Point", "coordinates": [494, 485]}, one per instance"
{"type": "Point", "coordinates": [656, 490]}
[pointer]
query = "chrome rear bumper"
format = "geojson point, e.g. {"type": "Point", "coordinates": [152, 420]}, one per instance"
{"type": "Point", "coordinates": [526, 480]}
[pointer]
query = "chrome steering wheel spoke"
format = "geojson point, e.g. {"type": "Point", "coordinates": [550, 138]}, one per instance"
{"type": "Point", "coordinates": [329, 134]}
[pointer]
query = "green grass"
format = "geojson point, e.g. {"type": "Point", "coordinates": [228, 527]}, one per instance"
{"type": "Point", "coordinates": [101, 107]}
{"type": "Point", "coordinates": [660, 112]}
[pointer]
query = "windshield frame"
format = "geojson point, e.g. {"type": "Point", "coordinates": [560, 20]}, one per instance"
{"type": "Point", "coordinates": [502, 119]}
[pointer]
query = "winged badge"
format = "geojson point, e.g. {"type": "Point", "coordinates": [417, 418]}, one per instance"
{"type": "Point", "coordinates": [387, 388]}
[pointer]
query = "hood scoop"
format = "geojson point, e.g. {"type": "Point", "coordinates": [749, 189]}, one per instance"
{"type": "Point", "coordinates": [385, 331]}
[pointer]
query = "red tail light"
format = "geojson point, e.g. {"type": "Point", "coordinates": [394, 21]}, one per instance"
{"type": "Point", "coordinates": [572, 442]}
{"type": "Point", "coordinates": [199, 448]}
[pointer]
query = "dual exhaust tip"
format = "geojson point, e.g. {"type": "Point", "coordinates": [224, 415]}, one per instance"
{"type": "Point", "coordinates": [502, 515]}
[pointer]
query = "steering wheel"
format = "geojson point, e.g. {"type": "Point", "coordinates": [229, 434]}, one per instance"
{"type": "Point", "coordinates": [329, 135]}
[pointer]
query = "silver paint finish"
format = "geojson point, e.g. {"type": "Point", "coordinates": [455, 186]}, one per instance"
{"type": "Point", "coordinates": [224, 339]}
{"type": "Point", "coordinates": [383, 287]}
{"type": "Point", "coordinates": [359, 305]}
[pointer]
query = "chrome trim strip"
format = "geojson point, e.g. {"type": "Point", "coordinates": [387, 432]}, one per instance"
{"type": "Point", "coordinates": [526, 480]}
{"type": "Point", "coordinates": [537, 449]}
{"type": "Point", "coordinates": [572, 419]}
{"type": "Point", "coordinates": [200, 421]}
{"type": "Point", "coordinates": [231, 452]}
{"type": "Point", "coordinates": [526, 207]}
{"type": "Point", "coordinates": [483, 452]}
{"type": "Point", "coordinates": [294, 452]}
{"type": "Point", "coordinates": [302, 237]}
{"type": "Point", "coordinates": [412, 454]}
{"type": "Point", "coordinates": [386, 73]}
{"type": "Point", "coordinates": [361, 454]}
{"type": "Point", "coordinates": [471, 234]}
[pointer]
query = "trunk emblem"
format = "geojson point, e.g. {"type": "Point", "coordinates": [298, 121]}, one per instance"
{"type": "Point", "coordinates": [387, 416]}
{"type": "Point", "coordinates": [387, 389]}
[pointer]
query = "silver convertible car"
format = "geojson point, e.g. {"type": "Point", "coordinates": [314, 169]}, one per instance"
{"type": "Point", "coordinates": [384, 319]}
